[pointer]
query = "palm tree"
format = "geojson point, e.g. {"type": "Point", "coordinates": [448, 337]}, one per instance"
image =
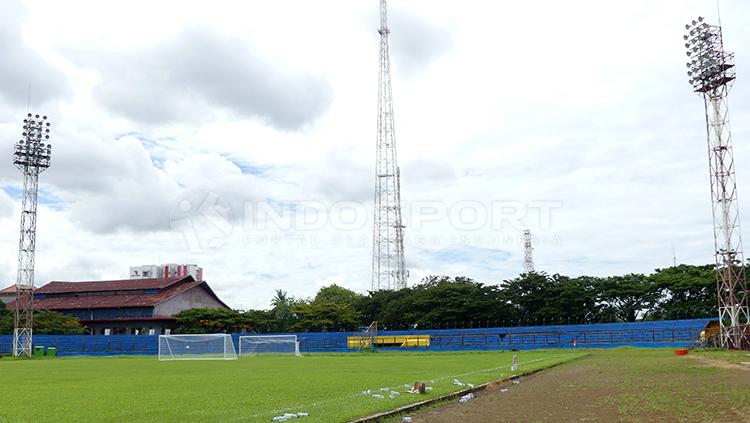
{"type": "Point", "coordinates": [281, 298]}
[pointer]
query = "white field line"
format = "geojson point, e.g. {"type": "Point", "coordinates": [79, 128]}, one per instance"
{"type": "Point", "coordinates": [316, 404]}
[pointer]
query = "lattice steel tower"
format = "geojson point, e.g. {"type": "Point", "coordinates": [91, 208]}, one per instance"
{"type": "Point", "coordinates": [388, 269]}
{"type": "Point", "coordinates": [528, 260]}
{"type": "Point", "coordinates": [711, 72]}
{"type": "Point", "coordinates": [32, 157]}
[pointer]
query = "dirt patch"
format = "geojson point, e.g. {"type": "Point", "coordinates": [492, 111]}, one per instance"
{"type": "Point", "coordinates": [722, 364]}
{"type": "Point", "coordinates": [554, 395]}
{"type": "Point", "coordinates": [651, 386]}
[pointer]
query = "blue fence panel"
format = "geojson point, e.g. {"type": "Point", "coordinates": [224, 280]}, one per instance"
{"type": "Point", "coordinates": [670, 333]}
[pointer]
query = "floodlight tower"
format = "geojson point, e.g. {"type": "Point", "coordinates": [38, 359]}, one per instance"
{"type": "Point", "coordinates": [388, 268]}
{"type": "Point", "coordinates": [711, 72]}
{"type": "Point", "coordinates": [528, 260]}
{"type": "Point", "coordinates": [32, 157]}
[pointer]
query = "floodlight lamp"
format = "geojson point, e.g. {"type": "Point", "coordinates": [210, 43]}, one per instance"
{"type": "Point", "coordinates": [700, 18]}
{"type": "Point", "coordinates": [28, 115]}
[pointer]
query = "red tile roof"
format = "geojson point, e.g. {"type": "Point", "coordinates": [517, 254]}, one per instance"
{"type": "Point", "coordinates": [11, 290]}
{"type": "Point", "coordinates": [171, 288]}
{"type": "Point", "coordinates": [57, 287]}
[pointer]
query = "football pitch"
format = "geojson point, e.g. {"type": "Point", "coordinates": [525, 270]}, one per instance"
{"type": "Point", "coordinates": [328, 387]}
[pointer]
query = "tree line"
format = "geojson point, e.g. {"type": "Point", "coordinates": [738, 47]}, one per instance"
{"type": "Point", "coordinates": [46, 322]}
{"type": "Point", "coordinates": [537, 298]}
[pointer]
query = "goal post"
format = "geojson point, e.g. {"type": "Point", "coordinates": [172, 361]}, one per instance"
{"type": "Point", "coordinates": [210, 346]}
{"type": "Point", "coordinates": [252, 345]}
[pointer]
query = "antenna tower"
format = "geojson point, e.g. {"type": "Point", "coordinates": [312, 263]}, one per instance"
{"type": "Point", "coordinates": [388, 269]}
{"type": "Point", "coordinates": [31, 156]}
{"type": "Point", "coordinates": [528, 260]}
{"type": "Point", "coordinates": [711, 71]}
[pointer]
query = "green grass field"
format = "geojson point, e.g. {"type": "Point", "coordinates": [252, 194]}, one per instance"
{"type": "Point", "coordinates": [328, 387]}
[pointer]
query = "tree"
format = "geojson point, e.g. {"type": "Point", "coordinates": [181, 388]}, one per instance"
{"type": "Point", "coordinates": [338, 295]}
{"type": "Point", "coordinates": [628, 297]}
{"type": "Point", "coordinates": [6, 320]}
{"type": "Point", "coordinates": [210, 320]}
{"type": "Point", "coordinates": [282, 310]}
{"type": "Point", "coordinates": [46, 322]}
{"type": "Point", "coordinates": [539, 298]}
{"type": "Point", "coordinates": [687, 292]}
{"type": "Point", "coordinates": [334, 308]}
{"type": "Point", "coordinates": [325, 316]}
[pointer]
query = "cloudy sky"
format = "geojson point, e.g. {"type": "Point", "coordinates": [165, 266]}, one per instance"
{"type": "Point", "coordinates": [241, 135]}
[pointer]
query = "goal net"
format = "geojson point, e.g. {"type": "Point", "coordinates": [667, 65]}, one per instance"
{"type": "Point", "coordinates": [214, 346]}
{"type": "Point", "coordinates": [269, 344]}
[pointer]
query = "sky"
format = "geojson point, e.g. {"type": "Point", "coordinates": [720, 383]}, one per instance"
{"type": "Point", "coordinates": [240, 136]}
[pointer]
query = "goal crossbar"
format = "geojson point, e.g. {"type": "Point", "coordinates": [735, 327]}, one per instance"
{"type": "Point", "coordinates": [197, 347]}
{"type": "Point", "coordinates": [252, 345]}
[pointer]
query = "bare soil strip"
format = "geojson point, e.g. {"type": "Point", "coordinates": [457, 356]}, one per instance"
{"type": "Point", "coordinates": [611, 386]}
{"type": "Point", "coordinates": [496, 384]}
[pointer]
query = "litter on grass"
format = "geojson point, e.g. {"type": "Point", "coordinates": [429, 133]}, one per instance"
{"type": "Point", "coordinates": [384, 389]}
{"type": "Point", "coordinates": [406, 419]}
{"type": "Point", "coordinates": [515, 382]}
{"type": "Point", "coordinates": [367, 392]}
{"type": "Point", "coordinates": [466, 397]}
{"type": "Point", "coordinates": [378, 396]}
{"type": "Point", "coordinates": [458, 382]}
{"type": "Point", "coordinates": [289, 416]}
{"type": "Point", "coordinates": [504, 390]}
{"type": "Point", "coordinates": [418, 388]}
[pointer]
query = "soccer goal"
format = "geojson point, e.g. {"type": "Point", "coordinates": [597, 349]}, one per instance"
{"type": "Point", "coordinates": [269, 344]}
{"type": "Point", "coordinates": [212, 346]}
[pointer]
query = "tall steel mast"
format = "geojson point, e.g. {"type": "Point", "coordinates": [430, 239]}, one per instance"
{"type": "Point", "coordinates": [32, 157]}
{"type": "Point", "coordinates": [528, 248]}
{"type": "Point", "coordinates": [711, 72]}
{"type": "Point", "coordinates": [388, 268]}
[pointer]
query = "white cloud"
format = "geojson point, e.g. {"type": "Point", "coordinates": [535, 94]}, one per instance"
{"type": "Point", "coordinates": [583, 105]}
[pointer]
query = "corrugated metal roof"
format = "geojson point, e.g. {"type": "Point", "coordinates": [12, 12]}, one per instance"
{"type": "Point", "coordinates": [11, 290]}
{"type": "Point", "coordinates": [88, 302]}
{"type": "Point", "coordinates": [58, 287]}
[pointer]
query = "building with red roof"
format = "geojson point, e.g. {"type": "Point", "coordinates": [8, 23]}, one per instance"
{"type": "Point", "coordinates": [8, 294]}
{"type": "Point", "coordinates": [128, 306]}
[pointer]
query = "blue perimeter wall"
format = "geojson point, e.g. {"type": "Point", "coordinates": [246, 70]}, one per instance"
{"type": "Point", "coordinates": [652, 334]}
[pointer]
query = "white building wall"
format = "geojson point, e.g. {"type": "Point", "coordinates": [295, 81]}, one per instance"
{"type": "Point", "coordinates": [197, 297]}
{"type": "Point", "coordinates": [166, 270]}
